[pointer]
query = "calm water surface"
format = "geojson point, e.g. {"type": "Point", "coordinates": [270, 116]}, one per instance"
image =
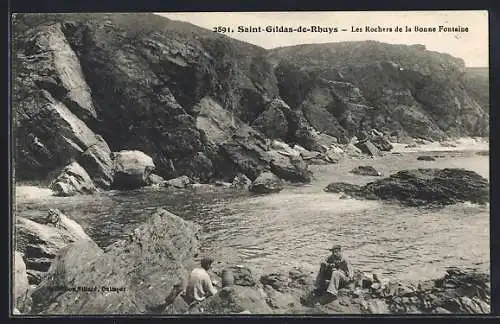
{"type": "Point", "coordinates": [296, 226]}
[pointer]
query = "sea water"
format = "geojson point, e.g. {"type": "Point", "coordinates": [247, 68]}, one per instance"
{"type": "Point", "coordinates": [297, 226]}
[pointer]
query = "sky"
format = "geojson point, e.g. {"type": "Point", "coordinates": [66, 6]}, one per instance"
{"type": "Point", "coordinates": [471, 46]}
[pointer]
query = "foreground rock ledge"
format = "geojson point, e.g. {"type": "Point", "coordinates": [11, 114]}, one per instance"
{"type": "Point", "coordinates": [132, 277]}
{"type": "Point", "coordinates": [459, 292]}
{"type": "Point", "coordinates": [422, 187]}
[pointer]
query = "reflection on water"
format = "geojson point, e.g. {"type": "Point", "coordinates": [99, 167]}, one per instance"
{"type": "Point", "coordinates": [298, 225]}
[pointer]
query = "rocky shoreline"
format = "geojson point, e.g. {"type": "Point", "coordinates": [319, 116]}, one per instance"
{"type": "Point", "coordinates": [142, 275]}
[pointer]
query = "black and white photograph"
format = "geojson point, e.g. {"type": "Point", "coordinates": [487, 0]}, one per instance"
{"type": "Point", "coordinates": [250, 163]}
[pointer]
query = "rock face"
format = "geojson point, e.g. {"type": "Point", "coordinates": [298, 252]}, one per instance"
{"type": "Point", "coordinates": [350, 86]}
{"type": "Point", "coordinates": [134, 276]}
{"type": "Point", "coordinates": [267, 182]}
{"type": "Point", "coordinates": [52, 104]}
{"type": "Point", "coordinates": [144, 82]}
{"type": "Point", "coordinates": [71, 181]}
{"type": "Point", "coordinates": [131, 169]}
{"type": "Point", "coordinates": [40, 243]}
{"type": "Point", "coordinates": [440, 186]}
{"type": "Point", "coordinates": [422, 187]}
{"type": "Point", "coordinates": [20, 278]}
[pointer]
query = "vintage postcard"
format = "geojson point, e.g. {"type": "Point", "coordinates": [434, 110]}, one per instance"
{"type": "Point", "coordinates": [250, 163]}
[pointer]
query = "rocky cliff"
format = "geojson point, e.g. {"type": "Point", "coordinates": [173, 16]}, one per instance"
{"type": "Point", "coordinates": [87, 85]}
{"type": "Point", "coordinates": [348, 87]}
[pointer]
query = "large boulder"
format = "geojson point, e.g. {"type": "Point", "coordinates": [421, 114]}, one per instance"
{"type": "Point", "coordinates": [292, 168]}
{"type": "Point", "coordinates": [131, 169]}
{"type": "Point", "coordinates": [432, 186]}
{"type": "Point", "coordinates": [40, 243]}
{"type": "Point", "coordinates": [267, 182]}
{"type": "Point", "coordinates": [70, 261]}
{"type": "Point", "coordinates": [426, 158]}
{"type": "Point", "coordinates": [22, 300]}
{"type": "Point", "coordinates": [356, 86]}
{"type": "Point", "coordinates": [273, 121]}
{"type": "Point", "coordinates": [72, 180]}
{"type": "Point", "coordinates": [246, 149]}
{"type": "Point", "coordinates": [380, 142]}
{"type": "Point", "coordinates": [133, 276]}
{"type": "Point", "coordinates": [252, 154]}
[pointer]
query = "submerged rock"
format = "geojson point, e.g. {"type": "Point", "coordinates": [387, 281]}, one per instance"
{"type": "Point", "coordinates": [381, 143]}
{"type": "Point", "coordinates": [422, 187]}
{"type": "Point", "coordinates": [345, 188]}
{"type": "Point", "coordinates": [366, 170]}
{"type": "Point", "coordinates": [71, 181]}
{"type": "Point", "coordinates": [131, 169]}
{"type": "Point", "coordinates": [267, 182]}
{"type": "Point", "coordinates": [426, 158]}
{"type": "Point", "coordinates": [432, 186]}
{"type": "Point", "coordinates": [133, 276]}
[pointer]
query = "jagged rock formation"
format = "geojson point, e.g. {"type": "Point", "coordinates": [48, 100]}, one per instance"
{"type": "Point", "coordinates": [202, 104]}
{"type": "Point", "coordinates": [477, 83]}
{"type": "Point", "coordinates": [71, 181]}
{"type": "Point", "coordinates": [422, 187]}
{"type": "Point", "coordinates": [132, 276]}
{"type": "Point", "coordinates": [131, 169]}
